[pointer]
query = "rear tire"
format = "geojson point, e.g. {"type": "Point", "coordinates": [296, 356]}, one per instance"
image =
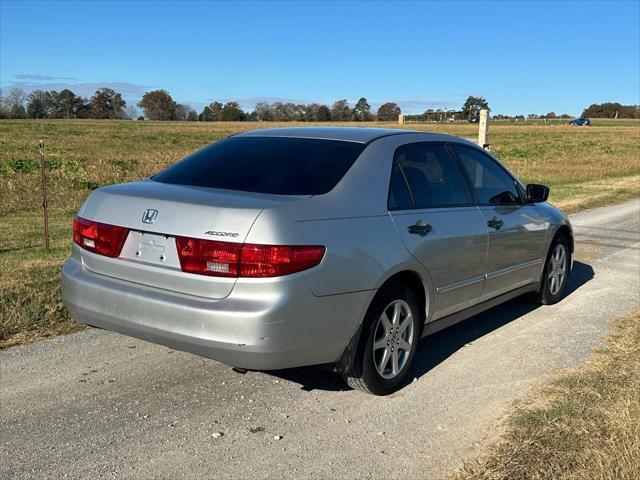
{"type": "Point", "coordinates": [556, 271]}
{"type": "Point", "coordinates": [389, 341]}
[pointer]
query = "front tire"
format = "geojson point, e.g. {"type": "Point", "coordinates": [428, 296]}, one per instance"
{"type": "Point", "coordinates": [390, 339]}
{"type": "Point", "coordinates": [556, 271]}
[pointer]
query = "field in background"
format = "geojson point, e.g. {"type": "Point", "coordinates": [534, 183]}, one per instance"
{"type": "Point", "coordinates": [584, 425]}
{"type": "Point", "coordinates": [584, 166]}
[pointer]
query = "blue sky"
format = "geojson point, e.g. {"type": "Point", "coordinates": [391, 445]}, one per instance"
{"type": "Point", "coordinates": [524, 57]}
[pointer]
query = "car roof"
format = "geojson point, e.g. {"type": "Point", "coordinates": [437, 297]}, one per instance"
{"type": "Point", "coordinates": [347, 134]}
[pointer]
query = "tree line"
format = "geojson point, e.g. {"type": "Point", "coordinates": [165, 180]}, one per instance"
{"type": "Point", "coordinates": [104, 104]}
{"type": "Point", "coordinates": [611, 110]}
{"type": "Point", "coordinates": [159, 105]}
{"type": "Point", "coordinates": [339, 111]}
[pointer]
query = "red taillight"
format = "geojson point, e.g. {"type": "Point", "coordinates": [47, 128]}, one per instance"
{"type": "Point", "coordinates": [99, 237]}
{"type": "Point", "coordinates": [276, 260]}
{"type": "Point", "coordinates": [223, 259]}
{"type": "Point", "coordinates": [208, 257]}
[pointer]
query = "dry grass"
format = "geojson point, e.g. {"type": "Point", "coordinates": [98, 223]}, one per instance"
{"type": "Point", "coordinates": [30, 303]}
{"type": "Point", "coordinates": [83, 154]}
{"type": "Point", "coordinates": [573, 197]}
{"type": "Point", "coordinates": [583, 166]}
{"type": "Point", "coordinates": [587, 428]}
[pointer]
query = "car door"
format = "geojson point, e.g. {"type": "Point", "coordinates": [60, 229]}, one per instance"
{"type": "Point", "coordinates": [434, 214]}
{"type": "Point", "coordinates": [517, 231]}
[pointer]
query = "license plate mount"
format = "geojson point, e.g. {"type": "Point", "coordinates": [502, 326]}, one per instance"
{"type": "Point", "coordinates": [151, 248]}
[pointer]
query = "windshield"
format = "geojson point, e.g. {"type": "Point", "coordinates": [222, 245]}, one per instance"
{"type": "Point", "coordinates": [282, 166]}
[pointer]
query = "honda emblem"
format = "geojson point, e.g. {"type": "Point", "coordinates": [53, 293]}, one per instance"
{"type": "Point", "coordinates": [149, 215]}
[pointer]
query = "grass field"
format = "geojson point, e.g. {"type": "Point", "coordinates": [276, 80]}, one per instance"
{"type": "Point", "coordinates": [584, 167]}
{"type": "Point", "coordinates": [584, 425]}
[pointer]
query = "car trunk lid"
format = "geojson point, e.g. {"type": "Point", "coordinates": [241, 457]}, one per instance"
{"type": "Point", "coordinates": [156, 213]}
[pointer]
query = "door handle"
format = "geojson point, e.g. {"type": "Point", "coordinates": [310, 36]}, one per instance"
{"type": "Point", "coordinates": [496, 223]}
{"type": "Point", "coordinates": [420, 228]}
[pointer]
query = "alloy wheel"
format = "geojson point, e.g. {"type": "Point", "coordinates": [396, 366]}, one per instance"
{"type": "Point", "coordinates": [393, 339]}
{"type": "Point", "coordinates": [557, 269]}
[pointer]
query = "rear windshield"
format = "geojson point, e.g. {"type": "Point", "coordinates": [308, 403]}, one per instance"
{"type": "Point", "coordinates": [283, 166]}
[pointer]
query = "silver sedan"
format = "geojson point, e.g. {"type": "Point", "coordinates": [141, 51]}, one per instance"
{"type": "Point", "coordinates": [287, 247]}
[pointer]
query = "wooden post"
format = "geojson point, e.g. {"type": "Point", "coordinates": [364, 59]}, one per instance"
{"type": "Point", "coordinates": [400, 119]}
{"type": "Point", "coordinates": [483, 134]}
{"type": "Point", "coordinates": [43, 186]}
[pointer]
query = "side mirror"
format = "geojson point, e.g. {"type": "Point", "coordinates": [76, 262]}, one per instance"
{"type": "Point", "coordinates": [537, 193]}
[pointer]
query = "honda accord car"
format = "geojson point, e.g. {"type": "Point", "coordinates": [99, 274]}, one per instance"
{"type": "Point", "coordinates": [339, 247]}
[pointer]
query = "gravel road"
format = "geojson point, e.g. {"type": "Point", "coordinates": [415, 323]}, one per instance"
{"type": "Point", "coordinates": [100, 405]}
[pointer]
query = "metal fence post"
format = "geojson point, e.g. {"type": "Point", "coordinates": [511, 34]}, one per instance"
{"type": "Point", "coordinates": [43, 186]}
{"type": "Point", "coordinates": [483, 134]}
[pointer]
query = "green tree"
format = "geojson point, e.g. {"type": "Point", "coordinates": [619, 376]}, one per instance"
{"type": "Point", "coordinates": [82, 107]}
{"type": "Point", "coordinates": [311, 112]}
{"type": "Point", "coordinates": [263, 112]}
{"type": "Point", "coordinates": [323, 114]}
{"type": "Point", "coordinates": [473, 105]}
{"type": "Point", "coordinates": [287, 112]}
{"type": "Point", "coordinates": [107, 104]}
{"type": "Point", "coordinates": [192, 116]}
{"type": "Point", "coordinates": [388, 112]}
{"type": "Point", "coordinates": [611, 110]}
{"type": "Point", "coordinates": [362, 110]}
{"type": "Point", "coordinates": [281, 112]}
{"type": "Point", "coordinates": [67, 104]}
{"type": "Point", "coordinates": [340, 111]}
{"type": "Point", "coordinates": [211, 113]}
{"type": "Point", "coordinates": [231, 112]}
{"type": "Point", "coordinates": [158, 105]}
{"type": "Point", "coordinates": [40, 104]}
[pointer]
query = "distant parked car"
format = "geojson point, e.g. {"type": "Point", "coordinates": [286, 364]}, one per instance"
{"type": "Point", "coordinates": [580, 122]}
{"type": "Point", "coordinates": [302, 246]}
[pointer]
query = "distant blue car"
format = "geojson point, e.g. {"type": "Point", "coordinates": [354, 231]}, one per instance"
{"type": "Point", "coordinates": [580, 122]}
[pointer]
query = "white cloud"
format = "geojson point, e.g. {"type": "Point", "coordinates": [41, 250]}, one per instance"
{"type": "Point", "coordinates": [38, 77]}
{"type": "Point", "coordinates": [86, 89]}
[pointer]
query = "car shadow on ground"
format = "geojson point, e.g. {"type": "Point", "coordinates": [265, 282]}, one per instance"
{"type": "Point", "coordinates": [436, 348]}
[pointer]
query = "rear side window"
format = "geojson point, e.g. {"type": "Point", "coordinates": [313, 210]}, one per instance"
{"type": "Point", "coordinates": [433, 177]}
{"type": "Point", "coordinates": [399, 195]}
{"type": "Point", "coordinates": [490, 182]}
{"type": "Point", "coordinates": [282, 166]}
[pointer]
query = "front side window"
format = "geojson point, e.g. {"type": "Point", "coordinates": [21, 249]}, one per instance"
{"type": "Point", "coordinates": [283, 166]}
{"type": "Point", "coordinates": [432, 176]}
{"type": "Point", "coordinates": [491, 184]}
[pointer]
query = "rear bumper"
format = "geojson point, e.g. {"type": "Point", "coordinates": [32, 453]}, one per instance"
{"type": "Point", "coordinates": [264, 324]}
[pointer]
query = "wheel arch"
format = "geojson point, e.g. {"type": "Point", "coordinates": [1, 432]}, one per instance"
{"type": "Point", "coordinates": [411, 279]}
{"type": "Point", "coordinates": [414, 281]}
{"type": "Point", "coordinates": [566, 231]}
